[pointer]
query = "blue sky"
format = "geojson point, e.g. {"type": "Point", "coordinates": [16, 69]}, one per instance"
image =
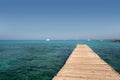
{"type": "Point", "coordinates": [59, 19]}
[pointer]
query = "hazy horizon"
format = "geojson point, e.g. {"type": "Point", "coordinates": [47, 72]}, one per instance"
{"type": "Point", "coordinates": [59, 20]}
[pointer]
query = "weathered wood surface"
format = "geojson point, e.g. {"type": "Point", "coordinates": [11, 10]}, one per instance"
{"type": "Point", "coordinates": [84, 64]}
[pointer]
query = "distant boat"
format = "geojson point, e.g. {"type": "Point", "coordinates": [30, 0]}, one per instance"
{"type": "Point", "coordinates": [89, 40]}
{"type": "Point", "coordinates": [47, 39]}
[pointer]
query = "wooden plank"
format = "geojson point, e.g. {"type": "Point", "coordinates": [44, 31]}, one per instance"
{"type": "Point", "coordinates": [85, 64]}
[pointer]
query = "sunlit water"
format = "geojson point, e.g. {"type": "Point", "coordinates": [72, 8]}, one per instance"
{"type": "Point", "coordinates": [41, 60]}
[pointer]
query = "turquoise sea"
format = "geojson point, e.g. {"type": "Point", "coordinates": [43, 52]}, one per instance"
{"type": "Point", "coordinates": [41, 60]}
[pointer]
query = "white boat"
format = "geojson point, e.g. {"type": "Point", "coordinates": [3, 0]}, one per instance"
{"type": "Point", "coordinates": [47, 39]}
{"type": "Point", "coordinates": [89, 40]}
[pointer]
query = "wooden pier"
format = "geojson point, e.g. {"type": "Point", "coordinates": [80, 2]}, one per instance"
{"type": "Point", "coordinates": [85, 64]}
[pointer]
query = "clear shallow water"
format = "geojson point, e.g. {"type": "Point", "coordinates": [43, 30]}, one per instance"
{"type": "Point", "coordinates": [40, 60]}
